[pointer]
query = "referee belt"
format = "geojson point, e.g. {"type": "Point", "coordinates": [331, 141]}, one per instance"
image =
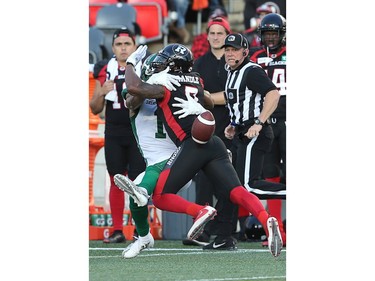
{"type": "Point", "coordinates": [247, 124]}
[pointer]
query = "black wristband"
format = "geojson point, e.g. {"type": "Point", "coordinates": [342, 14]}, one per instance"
{"type": "Point", "coordinates": [258, 122]}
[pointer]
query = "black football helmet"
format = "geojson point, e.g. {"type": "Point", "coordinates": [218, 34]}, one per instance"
{"type": "Point", "coordinates": [254, 229]}
{"type": "Point", "coordinates": [178, 57]}
{"type": "Point", "coordinates": [273, 22]}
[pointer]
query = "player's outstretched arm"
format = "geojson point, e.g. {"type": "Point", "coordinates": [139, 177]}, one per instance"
{"type": "Point", "coordinates": [136, 87]}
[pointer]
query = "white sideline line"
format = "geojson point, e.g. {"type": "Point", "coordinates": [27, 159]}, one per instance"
{"type": "Point", "coordinates": [185, 250]}
{"type": "Point", "coordinates": [167, 254]}
{"type": "Point", "coordinates": [241, 278]}
{"type": "Point", "coordinates": [152, 249]}
{"type": "Point", "coordinates": [180, 252]}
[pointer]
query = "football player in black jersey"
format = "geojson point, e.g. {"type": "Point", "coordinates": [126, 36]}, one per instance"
{"type": "Point", "coordinates": [272, 57]}
{"type": "Point", "coordinates": [120, 147]}
{"type": "Point", "coordinates": [190, 157]}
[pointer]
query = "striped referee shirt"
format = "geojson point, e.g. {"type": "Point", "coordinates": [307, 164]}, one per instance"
{"type": "Point", "coordinates": [245, 90]}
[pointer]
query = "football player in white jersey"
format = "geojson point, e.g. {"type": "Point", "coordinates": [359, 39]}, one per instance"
{"type": "Point", "coordinates": [156, 147]}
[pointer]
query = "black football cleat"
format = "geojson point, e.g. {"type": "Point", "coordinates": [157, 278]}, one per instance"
{"type": "Point", "coordinates": [116, 237]}
{"type": "Point", "coordinates": [222, 243]}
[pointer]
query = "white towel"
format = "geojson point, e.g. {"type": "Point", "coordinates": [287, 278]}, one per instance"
{"type": "Point", "coordinates": [112, 68]}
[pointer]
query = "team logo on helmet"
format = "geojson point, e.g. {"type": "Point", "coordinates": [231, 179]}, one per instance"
{"type": "Point", "coordinates": [180, 50]}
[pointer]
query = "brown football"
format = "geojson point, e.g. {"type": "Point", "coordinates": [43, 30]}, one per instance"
{"type": "Point", "coordinates": [203, 127]}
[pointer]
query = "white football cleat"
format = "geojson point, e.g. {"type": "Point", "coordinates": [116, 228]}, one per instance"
{"type": "Point", "coordinates": [138, 193]}
{"type": "Point", "coordinates": [139, 245]}
{"type": "Point", "coordinates": [205, 215]}
{"type": "Point", "coordinates": [275, 242]}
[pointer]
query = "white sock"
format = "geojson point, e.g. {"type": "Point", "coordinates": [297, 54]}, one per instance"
{"type": "Point", "coordinates": [144, 239]}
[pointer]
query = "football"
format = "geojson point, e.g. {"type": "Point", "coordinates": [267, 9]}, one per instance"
{"type": "Point", "coordinates": [203, 127]}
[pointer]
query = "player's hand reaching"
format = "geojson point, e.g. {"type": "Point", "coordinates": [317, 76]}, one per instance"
{"type": "Point", "coordinates": [165, 79]}
{"type": "Point", "coordinates": [137, 56]}
{"type": "Point", "coordinates": [188, 107]}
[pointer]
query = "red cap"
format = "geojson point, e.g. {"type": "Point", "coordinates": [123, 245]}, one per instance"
{"type": "Point", "coordinates": [220, 21]}
{"type": "Point", "coordinates": [123, 31]}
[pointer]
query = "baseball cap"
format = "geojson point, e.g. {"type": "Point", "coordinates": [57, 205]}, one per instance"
{"type": "Point", "coordinates": [220, 21]}
{"type": "Point", "coordinates": [236, 40]}
{"type": "Point", "coordinates": [123, 31]}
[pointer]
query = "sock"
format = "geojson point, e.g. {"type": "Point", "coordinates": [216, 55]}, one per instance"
{"type": "Point", "coordinates": [150, 179]}
{"type": "Point", "coordinates": [242, 215]}
{"type": "Point", "coordinates": [117, 203]}
{"type": "Point", "coordinates": [144, 238]}
{"type": "Point", "coordinates": [239, 195]}
{"type": "Point", "coordinates": [140, 217]}
{"type": "Point", "coordinates": [172, 202]}
{"type": "Point", "coordinates": [275, 205]}
{"type": "Point", "coordinates": [242, 212]}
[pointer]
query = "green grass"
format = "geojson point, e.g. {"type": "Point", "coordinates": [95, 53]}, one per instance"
{"type": "Point", "coordinates": [171, 260]}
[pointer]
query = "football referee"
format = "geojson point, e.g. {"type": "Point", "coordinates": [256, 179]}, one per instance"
{"type": "Point", "coordinates": [251, 98]}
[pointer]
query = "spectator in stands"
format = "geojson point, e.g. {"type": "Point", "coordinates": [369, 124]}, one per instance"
{"type": "Point", "coordinates": [200, 43]}
{"type": "Point", "coordinates": [250, 13]}
{"type": "Point", "coordinates": [178, 26]}
{"type": "Point", "coordinates": [215, 8]}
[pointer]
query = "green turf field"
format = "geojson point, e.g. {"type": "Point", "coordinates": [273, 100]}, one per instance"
{"type": "Point", "coordinates": [171, 260]}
